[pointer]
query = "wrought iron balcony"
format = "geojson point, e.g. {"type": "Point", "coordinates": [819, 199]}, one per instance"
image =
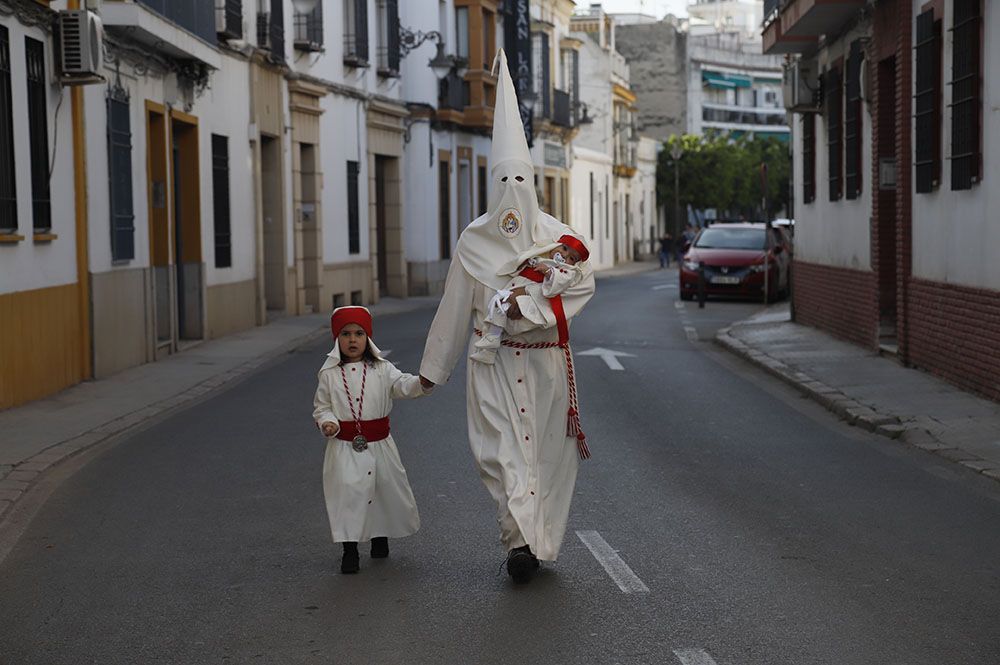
{"type": "Point", "coordinates": [561, 112]}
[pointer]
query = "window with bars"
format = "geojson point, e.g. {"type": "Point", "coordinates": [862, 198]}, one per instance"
{"type": "Point", "coordinates": [833, 92]}
{"type": "Point", "coordinates": [592, 234]}
{"type": "Point", "coordinates": [483, 195]}
{"type": "Point", "coordinates": [309, 29]}
{"type": "Point", "coordinates": [444, 208]}
{"type": "Point", "coordinates": [8, 184]}
{"type": "Point", "coordinates": [966, 104]}
{"type": "Point", "coordinates": [38, 134]}
{"type": "Point", "coordinates": [120, 176]}
{"type": "Point", "coordinates": [356, 33]}
{"type": "Point", "coordinates": [543, 80]}
{"type": "Point", "coordinates": [353, 210]}
{"type": "Point", "coordinates": [927, 103]}
{"type": "Point", "coordinates": [852, 123]}
{"type": "Point", "coordinates": [220, 202]}
{"type": "Point", "coordinates": [808, 158]}
{"type": "Point", "coordinates": [388, 38]}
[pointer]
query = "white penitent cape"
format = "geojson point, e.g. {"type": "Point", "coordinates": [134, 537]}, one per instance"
{"type": "Point", "coordinates": [516, 407]}
{"type": "Point", "coordinates": [367, 493]}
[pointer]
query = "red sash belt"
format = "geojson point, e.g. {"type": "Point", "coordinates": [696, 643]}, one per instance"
{"type": "Point", "coordinates": [372, 430]}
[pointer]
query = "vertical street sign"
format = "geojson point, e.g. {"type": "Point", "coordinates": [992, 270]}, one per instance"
{"type": "Point", "coordinates": [517, 40]}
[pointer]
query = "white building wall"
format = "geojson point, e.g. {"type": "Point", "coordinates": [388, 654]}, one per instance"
{"type": "Point", "coordinates": [834, 233]}
{"type": "Point", "coordinates": [27, 265]}
{"type": "Point", "coordinates": [343, 132]}
{"type": "Point", "coordinates": [586, 164]}
{"type": "Point", "coordinates": [647, 222]}
{"type": "Point", "coordinates": [956, 234]}
{"type": "Point", "coordinates": [216, 114]}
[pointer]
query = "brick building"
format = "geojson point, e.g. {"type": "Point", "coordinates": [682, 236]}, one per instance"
{"type": "Point", "coordinates": [895, 141]}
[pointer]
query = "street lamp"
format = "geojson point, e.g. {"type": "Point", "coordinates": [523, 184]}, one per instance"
{"type": "Point", "coordinates": [676, 152]}
{"type": "Point", "coordinates": [304, 6]}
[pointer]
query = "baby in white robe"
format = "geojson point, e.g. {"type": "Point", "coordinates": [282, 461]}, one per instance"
{"type": "Point", "coordinates": [558, 266]}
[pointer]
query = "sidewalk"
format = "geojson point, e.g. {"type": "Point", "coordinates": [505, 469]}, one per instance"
{"type": "Point", "coordinates": [625, 269]}
{"type": "Point", "coordinates": [43, 433]}
{"type": "Point", "coordinates": [870, 391]}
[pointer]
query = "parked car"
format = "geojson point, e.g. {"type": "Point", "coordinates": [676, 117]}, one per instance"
{"type": "Point", "coordinates": [733, 256]}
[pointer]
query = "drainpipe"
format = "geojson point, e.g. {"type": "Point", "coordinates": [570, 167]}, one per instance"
{"type": "Point", "coordinates": [82, 245]}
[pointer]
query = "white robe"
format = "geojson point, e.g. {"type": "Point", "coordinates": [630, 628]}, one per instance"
{"type": "Point", "coordinates": [516, 408]}
{"type": "Point", "coordinates": [367, 493]}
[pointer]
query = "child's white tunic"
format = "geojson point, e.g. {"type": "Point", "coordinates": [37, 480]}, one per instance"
{"type": "Point", "coordinates": [367, 493]}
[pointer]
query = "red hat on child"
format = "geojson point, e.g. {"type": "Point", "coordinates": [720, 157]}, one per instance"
{"type": "Point", "coordinates": [352, 314]}
{"type": "Point", "coordinates": [575, 243]}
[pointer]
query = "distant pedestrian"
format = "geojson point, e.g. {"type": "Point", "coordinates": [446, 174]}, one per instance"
{"type": "Point", "coordinates": [666, 247]}
{"type": "Point", "coordinates": [368, 496]}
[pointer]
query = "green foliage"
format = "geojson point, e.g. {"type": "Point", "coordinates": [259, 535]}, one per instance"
{"type": "Point", "coordinates": [716, 171]}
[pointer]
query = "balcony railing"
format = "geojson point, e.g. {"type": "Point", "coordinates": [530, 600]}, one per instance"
{"type": "Point", "coordinates": [309, 30]}
{"type": "Point", "coordinates": [229, 18]}
{"type": "Point", "coordinates": [561, 114]}
{"type": "Point", "coordinates": [196, 17]}
{"type": "Point", "coordinates": [743, 115]}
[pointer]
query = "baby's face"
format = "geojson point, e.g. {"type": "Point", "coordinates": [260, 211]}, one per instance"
{"type": "Point", "coordinates": [566, 253]}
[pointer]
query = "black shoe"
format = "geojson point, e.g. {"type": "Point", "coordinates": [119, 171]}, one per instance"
{"type": "Point", "coordinates": [521, 564]}
{"type": "Point", "coordinates": [350, 562]}
{"type": "Point", "coordinates": [380, 547]}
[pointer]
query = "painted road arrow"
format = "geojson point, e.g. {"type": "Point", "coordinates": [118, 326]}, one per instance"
{"type": "Point", "coordinates": [608, 356]}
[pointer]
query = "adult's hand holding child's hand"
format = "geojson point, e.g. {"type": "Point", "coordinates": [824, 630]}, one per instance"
{"type": "Point", "coordinates": [426, 383]}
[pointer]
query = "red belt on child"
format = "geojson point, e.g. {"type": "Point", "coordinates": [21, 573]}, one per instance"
{"type": "Point", "coordinates": [372, 430]}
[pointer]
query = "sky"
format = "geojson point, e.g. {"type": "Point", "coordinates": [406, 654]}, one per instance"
{"type": "Point", "coordinates": [658, 8]}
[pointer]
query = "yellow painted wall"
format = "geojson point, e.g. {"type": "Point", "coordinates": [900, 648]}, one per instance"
{"type": "Point", "coordinates": [39, 344]}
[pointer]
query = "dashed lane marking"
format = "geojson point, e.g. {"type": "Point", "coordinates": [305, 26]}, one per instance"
{"type": "Point", "coordinates": [692, 333]}
{"type": "Point", "coordinates": [694, 657]}
{"type": "Point", "coordinates": [617, 569]}
{"type": "Point", "coordinates": [658, 287]}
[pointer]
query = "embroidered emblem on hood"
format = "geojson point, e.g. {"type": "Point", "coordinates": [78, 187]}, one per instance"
{"type": "Point", "coordinates": [510, 222]}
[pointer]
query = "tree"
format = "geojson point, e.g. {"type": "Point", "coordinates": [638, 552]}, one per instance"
{"type": "Point", "coordinates": [722, 172]}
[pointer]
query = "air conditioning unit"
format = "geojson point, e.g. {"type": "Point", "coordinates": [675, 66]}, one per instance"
{"type": "Point", "coordinates": [801, 88]}
{"type": "Point", "coordinates": [81, 45]}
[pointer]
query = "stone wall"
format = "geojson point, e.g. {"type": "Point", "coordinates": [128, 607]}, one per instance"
{"type": "Point", "coordinates": [656, 57]}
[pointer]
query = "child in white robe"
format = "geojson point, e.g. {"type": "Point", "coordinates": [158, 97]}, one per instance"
{"type": "Point", "coordinates": [558, 265]}
{"type": "Point", "coordinates": [368, 496]}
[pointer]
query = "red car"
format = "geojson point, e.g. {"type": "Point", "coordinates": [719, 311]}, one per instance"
{"type": "Point", "coordinates": [733, 258]}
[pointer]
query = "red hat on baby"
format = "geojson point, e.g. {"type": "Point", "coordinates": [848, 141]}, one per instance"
{"type": "Point", "coordinates": [352, 314]}
{"type": "Point", "coordinates": [575, 243]}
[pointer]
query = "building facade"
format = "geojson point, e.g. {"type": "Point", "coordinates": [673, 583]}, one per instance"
{"type": "Point", "coordinates": [893, 152]}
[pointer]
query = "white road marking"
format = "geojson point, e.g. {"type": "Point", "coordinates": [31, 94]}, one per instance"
{"type": "Point", "coordinates": [619, 571]}
{"type": "Point", "coordinates": [608, 356]}
{"type": "Point", "coordinates": [694, 657]}
{"type": "Point", "coordinates": [664, 286]}
{"type": "Point", "coordinates": [679, 304]}
{"type": "Point", "coordinates": [385, 352]}
{"type": "Point", "coordinates": [692, 333]}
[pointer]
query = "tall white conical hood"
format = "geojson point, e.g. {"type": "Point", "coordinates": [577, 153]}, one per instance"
{"type": "Point", "coordinates": [509, 141]}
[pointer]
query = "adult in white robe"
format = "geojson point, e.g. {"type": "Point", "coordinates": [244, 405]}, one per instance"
{"type": "Point", "coordinates": [517, 408]}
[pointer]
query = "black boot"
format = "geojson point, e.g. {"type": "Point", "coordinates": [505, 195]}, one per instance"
{"type": "Point", "coordinates": [350, 563]}
{"type": "Point", "coordinates": [380, 547]}
{"type": "Point", "coordinates": [521, 564]}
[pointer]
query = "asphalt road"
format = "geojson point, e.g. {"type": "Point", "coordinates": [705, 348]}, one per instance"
{"type": "Point", "coordinates": [762, 530]}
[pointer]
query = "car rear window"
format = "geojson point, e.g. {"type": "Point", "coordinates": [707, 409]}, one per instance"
{"type": "Point", "coordinates": [721, 238]}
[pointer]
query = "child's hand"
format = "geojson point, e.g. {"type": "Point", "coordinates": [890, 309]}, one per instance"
{"type": "Point", "coordinates": [330, 429]}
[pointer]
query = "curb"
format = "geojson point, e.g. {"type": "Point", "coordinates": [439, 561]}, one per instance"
{"type": "Point", "coordinates": [17, 480]}
{"type": "Point", "coordinates": [909, 431]}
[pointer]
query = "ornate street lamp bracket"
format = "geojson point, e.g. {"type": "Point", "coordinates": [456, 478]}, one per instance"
{"type": "Point", "coordinates": [409, 40]}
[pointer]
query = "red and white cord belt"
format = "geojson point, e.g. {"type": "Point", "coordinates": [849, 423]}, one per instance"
{"type": "Point", "coordinates": [573, 426]}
